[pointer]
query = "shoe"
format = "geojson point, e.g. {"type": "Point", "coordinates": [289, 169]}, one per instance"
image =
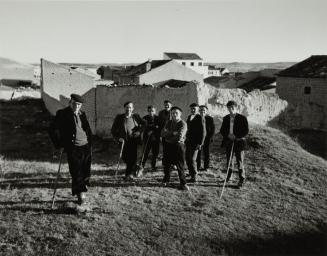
{"type": "Point", "coordinates": [129, 178]}
{"type": "Point", "coordinates": [240, 183]}
{"type": "Point", "coordinates": [139, 171]}
{"type": "Point", "coordinates": [153, 169]}
{"type": "Point", "coordinates": [184, 187]}
{"type": "Point", "coordinates": [174, 167]}
{"type": "Point", "coordinates": [81, 198]}
{"type": "Point", "coordinates": [192, 180]}
{"type": "Point", "coordinates": [205, 169]}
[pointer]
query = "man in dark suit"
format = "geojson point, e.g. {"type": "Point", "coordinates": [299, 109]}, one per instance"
{"type": "Point", "coordinates": [196, 132]}
{"type": "Point", "coordinates": [70, 130]}
{"type": "Point", "coordinates": [210, 131]}
{"type": "Point", "coordinates": [234, 129]}
{"type": "Point", "coordinates": [164, 117]}
{"type": "Point", "coordinates": [128, 127]}
{"type": "Point", "coordinates": [151, 138]}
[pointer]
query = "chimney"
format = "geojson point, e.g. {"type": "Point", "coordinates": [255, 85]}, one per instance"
{"type": "Point", "coordinates": [148, 65]}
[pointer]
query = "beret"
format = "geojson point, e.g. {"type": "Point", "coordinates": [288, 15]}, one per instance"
{"type": "Point", "coordinates": [194, 105]}
{"type": "Point", "coordinates": [203, 106]}
{"type": "Point", "coordinates": [77, 98]}
{"type": "Point", "coordinates": [127, 102]}
{"type": "Point", "coordinates": [176, 108]}
{"type": "Point", "coordinates": [167, 101]}
{"type": "Point", "coordinates": [231, 103]}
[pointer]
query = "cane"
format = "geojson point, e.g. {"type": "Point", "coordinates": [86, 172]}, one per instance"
{"type": "Point", "coordinates": [144, 149]}
{"type": "Point", "coordinates": [229, 161]}
{"type": "Point", "coordinates": [56, 184]}
{"type": "Point", "coordinates": [120, 156]}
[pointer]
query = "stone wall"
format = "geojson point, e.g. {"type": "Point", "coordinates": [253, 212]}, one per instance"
{"type": "Point", "coordinates": [59, 82]}
{"type": "Point", "coordinates": [259, 107]}
{"type": "Point", "coordinates": [110, 101]}
{"type": "Point", "coordinates": [305, 110]}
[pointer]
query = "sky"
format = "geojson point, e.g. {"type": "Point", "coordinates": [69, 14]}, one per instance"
{"type": "Point", "coordinates": [135, 31]}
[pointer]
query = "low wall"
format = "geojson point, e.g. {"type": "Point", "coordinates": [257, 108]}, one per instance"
{"type": "Point", "coordinates": [110, 101]}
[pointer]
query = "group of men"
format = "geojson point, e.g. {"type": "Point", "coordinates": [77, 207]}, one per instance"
{"type": "Point", "coordinates": [182, 141]}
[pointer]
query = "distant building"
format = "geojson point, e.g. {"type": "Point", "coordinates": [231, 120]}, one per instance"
{"type": "Point", "coordinates": [190, 60]}
{"type": "Point", "coordinates": [217, 71]}
{"type": "Point", "coordinates": [305, 85]}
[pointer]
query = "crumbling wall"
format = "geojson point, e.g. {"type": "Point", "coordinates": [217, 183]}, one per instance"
{"type": "Point", "coordinates": [59, 82]}
{"type": "Point", "coordinates": [259, 107]}
{"type": "Point", "coordinates": [110, 101]}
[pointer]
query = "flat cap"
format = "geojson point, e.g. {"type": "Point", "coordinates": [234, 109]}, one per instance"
{"type": "Point", "coordinates": [77, 98]}
{"type": "Point", "coordinates": [176, 108]}
{"type": "Point", "coordinates": [231, 103]}
{"type": "Point", "coordinates": [194, 105]}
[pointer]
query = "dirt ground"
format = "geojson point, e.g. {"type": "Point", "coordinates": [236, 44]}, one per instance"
{"type": "Point", "coordinates": [281, 210]}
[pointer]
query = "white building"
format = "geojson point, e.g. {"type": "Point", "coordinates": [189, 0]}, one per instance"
{"type": "Point", "coordinates": [190, 60]}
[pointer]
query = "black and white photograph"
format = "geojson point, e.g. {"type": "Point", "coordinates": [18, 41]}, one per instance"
{"type": "Point", "coordinates": [157, 127]}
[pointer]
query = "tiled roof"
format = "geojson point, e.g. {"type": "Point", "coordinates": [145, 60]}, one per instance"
{"type": "Point", "coordinates": [262, 83]}
{"type": "Point", "coordinates": [182, 56]}
{"type": "Point", "coordinates": [172, 83]}
{"type": "Point", "coordinates": [141, 69]}
{"type": "Point", "coordinates": [312, 67]}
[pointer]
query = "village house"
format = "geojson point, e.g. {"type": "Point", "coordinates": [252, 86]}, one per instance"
{"type": "Point", "coordinates": [190, 60]}
{"type": "Point", "coordinates": [217, 71]}
{"type": "Point", "coordinates": [304, 85]}
{"type": "Point", "coordinates": [155, 71]}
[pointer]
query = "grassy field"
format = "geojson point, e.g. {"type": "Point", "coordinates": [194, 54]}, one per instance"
{"type": "Point", "coordinates": [282, 209]}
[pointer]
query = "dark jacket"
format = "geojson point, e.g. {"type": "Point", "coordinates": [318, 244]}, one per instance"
{"type": "Point", "coordinates": [152, 125]}
{"type": "Point", "coordinates": [62, 129]}
{"type": "Point", "coordinates": [196, 130]}
{"type": "Point", "coordinates": [164, 117]}
{"type": "Point", "coordinates": [210, 127]}
{"type": "Point", "coordinates": [240, 130]}
{"type": "Point", "coordinates": [118, 129]}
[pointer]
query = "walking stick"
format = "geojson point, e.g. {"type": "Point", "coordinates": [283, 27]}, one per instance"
{"type": "Point", "coordinates": [120, 156]}
{"type": "Point", "coordinates": [229, 161]}
{"type": "Point", "coordinates": [140, 164]}
{"type": "Point", "coordinates": [56, 184]}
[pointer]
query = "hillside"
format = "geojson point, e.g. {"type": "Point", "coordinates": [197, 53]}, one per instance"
{"type": "Point", "coordinates": [247, 66]}
{"type": "Point", "coordinates": [281, 210]}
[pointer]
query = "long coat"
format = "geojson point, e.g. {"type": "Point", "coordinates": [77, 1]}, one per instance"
{"type": "Point", "coordinates": [240, 130]}
{"type": "Point", "coordinates": [62, 129]}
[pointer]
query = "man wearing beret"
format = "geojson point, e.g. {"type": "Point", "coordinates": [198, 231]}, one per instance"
{"type": "Point", "coordinates": [210, 131]}
{"type": "Point", "coordinates": [234, 129]}
{"type": "Point", "coordinates": [70, 130]}
{"type": "Point", "coordinates": [128, 127]}
{"type": "Point", "coordinates": [174, 133]}
{"type": "Point", "coordinates": [164, 117]}
{"type": "Point", "coordinates": [196, 133]}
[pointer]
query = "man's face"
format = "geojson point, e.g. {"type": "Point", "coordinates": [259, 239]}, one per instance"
{"type": "Point", "coordinates": [203, 111]}
{"type": "Point", "coordinates": [194, 110]}
{"type": "Point", "coordinates": [231, 109]}
{"type": "Point", "coordinates": [151, 111]}
{"type": "Point", "coordinates": [76, 106]}
{"type": "Point", "coordinates": [167, 106]}
{"type": "Point", "coordinates": [129, 108]}
{"type": "Point", "coordinates": [176, 114]}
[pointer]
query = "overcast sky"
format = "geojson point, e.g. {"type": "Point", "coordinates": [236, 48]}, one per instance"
{"type": "Point", "coordinates": [134, 31]}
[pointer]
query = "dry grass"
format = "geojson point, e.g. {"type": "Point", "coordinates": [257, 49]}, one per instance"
{"type": "Point", "coordinates": [281, 210]}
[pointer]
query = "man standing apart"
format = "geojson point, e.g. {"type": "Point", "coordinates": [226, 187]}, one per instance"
{"type": "Point", "coordinates": [151, 136]}
{"type": "Point", "coordinates": [210, 131]}
{"type": "Point", "coordinates": [128, 127]}
{"type": "Point", "coordinates": [196, 133]}
{"type": "Point", "coordinates": [234, 129]}
{"type": "Point", "coordinates": [70, 130]}
{"type": "Point", "coordinates": [174, 134]}
{"type": "Point", "coordinates": [164, 117]}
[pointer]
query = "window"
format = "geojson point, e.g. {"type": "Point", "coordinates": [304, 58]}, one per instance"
{"type": "Point", "coordinates": [307, 90]}
{"type": "Point", "coordinates": [200, 63]}
{"type": "Point", "coordinates": [184, 63]}
{"type": "Point", "coordinates": [192, 64]}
